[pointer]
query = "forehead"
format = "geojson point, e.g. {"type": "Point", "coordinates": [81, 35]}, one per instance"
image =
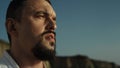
{"type": "Point", "coordinates": [38, 5]}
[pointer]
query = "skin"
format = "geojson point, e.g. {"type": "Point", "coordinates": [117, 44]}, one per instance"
{"type": "Point", "coordinates": [37, 17]}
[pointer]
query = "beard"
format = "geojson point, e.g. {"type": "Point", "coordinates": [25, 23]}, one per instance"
{"type": "Point", "coordinates": [42, 51]}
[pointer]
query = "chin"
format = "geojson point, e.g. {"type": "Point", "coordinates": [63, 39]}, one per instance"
{"type": "Point", "coordinates": [44, 51]}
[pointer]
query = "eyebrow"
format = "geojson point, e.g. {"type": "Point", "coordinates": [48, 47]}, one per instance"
{"type": "Point", "coordinates": [44, 12]}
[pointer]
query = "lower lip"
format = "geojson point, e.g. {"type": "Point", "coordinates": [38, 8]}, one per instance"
{"type": "Point", "coordinates": [49, 39]}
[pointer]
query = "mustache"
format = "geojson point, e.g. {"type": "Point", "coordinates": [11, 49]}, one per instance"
{"type": "Point", "coordinates": [46, 32]}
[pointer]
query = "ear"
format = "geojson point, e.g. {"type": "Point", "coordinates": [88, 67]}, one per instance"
{"type": "Point", "coordinates": [11, 27]}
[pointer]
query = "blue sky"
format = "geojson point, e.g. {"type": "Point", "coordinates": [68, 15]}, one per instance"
{"type": "Point", "coordinates": [86, 27]}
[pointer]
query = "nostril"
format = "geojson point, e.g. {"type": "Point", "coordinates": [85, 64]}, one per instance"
{"type": "Point", "coordinates": [51, 26]}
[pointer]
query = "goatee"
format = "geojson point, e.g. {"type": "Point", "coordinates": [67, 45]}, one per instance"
{"type": "Point", "coordinates": [42, 53]}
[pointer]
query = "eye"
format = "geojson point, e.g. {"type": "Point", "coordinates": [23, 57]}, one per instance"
{"type": "Point", "coordinates": [40, 15]}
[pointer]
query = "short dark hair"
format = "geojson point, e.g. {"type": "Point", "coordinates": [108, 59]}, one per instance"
{"type": "Point", "coordinates": [15, 11]}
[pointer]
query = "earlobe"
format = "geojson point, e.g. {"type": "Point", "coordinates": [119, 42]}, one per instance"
{"type": "Point", "coordinates": [11, 27]}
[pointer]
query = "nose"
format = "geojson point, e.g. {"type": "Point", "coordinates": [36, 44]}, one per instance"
{"type": "Point", "coordinates": [51, 23]}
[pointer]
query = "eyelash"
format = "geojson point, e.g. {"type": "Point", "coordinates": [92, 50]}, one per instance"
{"type": "Point", "coordinates": [39, 16]}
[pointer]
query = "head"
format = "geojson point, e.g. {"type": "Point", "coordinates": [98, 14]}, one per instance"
{"type": "Point", "coordinates": [30, 26]}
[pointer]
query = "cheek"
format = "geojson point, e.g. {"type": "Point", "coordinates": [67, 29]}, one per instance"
{"type": "Point", "coordinates": [31, 29]}
{"type": "Point", "coordinates": [25, 33]}
{"type": "Point", "coordinates": [34, 30]}
{"type": "Point", "coordinates": [37, 26]}
{"type": "Point", "coordinates": [37, 29]}
{"type": "Point", "coordinates": [34, 26]}
{"type": "Point", "coordinates": [29, 35]}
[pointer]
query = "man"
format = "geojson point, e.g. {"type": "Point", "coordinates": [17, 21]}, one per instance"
{"type": "Point", "coordinates": [30, 26]}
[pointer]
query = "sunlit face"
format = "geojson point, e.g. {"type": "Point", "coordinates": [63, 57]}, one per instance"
{"type": "Point", "coordinates": [36, 29]}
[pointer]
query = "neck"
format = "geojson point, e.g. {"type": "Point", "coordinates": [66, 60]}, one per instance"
{"type": "Point", "coordinates": [25, 61]}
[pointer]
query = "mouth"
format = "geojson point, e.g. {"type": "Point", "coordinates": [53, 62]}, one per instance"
{"type": "Point", "coordinates": [50, 36]}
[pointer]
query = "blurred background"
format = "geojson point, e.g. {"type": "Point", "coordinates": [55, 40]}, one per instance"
{"type": "Point", "coordinates": [84, 27]}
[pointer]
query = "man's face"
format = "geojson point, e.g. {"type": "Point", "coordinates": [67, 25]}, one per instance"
{"type": "Point", "coordinates": [36, 36]}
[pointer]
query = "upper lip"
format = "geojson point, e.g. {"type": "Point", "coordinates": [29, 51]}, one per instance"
{"type": "Point", "coordinates": [50, 32]}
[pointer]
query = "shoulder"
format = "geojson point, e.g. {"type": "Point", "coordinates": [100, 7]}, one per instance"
{"type": "Point", "coordinates": [3, 63]}
{"type": "Point", "coordinates": [6, 61]}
